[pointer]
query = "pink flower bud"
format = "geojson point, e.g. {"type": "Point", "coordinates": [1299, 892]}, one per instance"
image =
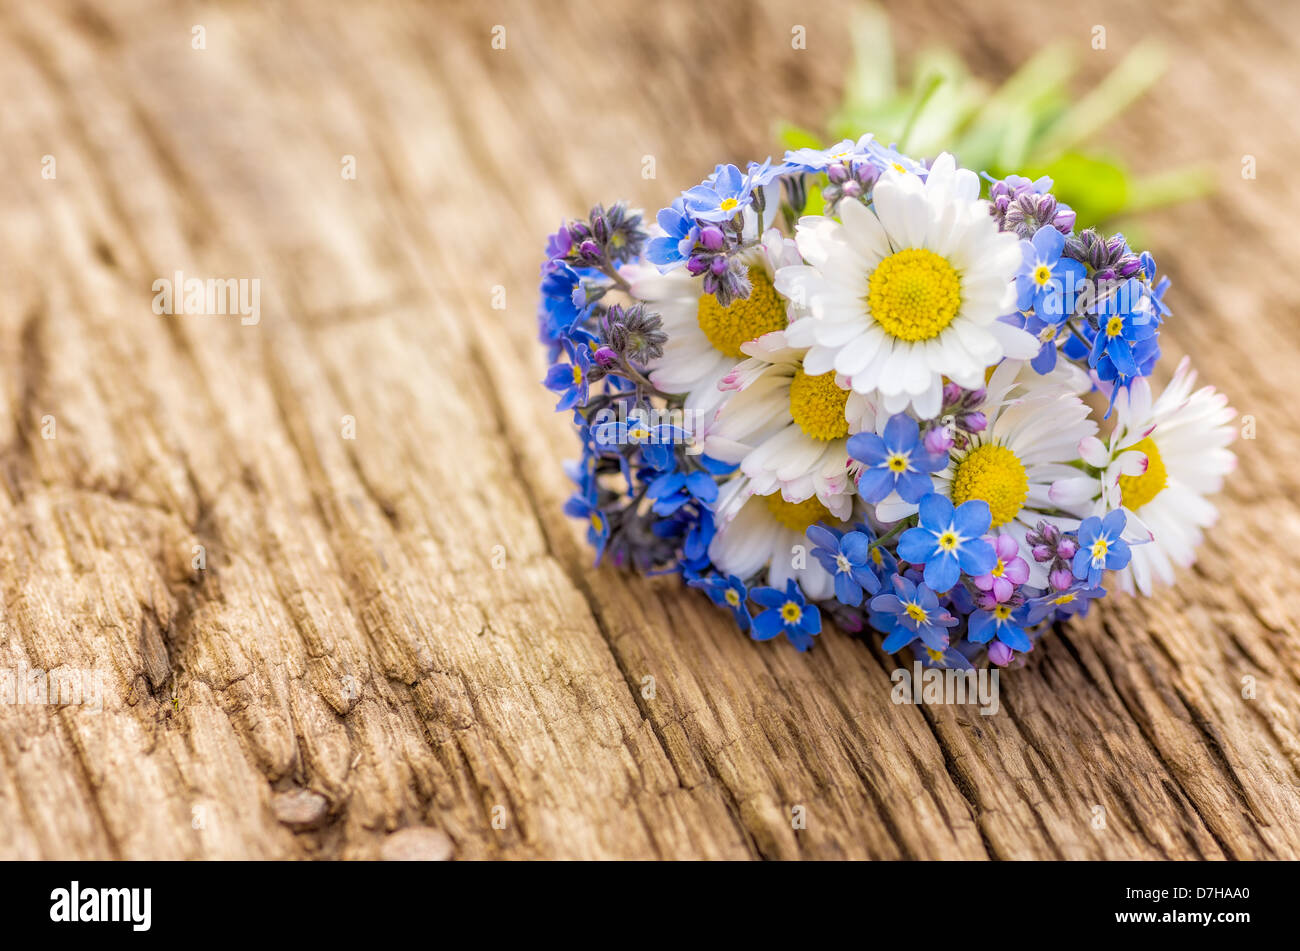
{"type": "Point", "coordinates": [1000, 654]}
{"type": "Point", "coordinates": [938, 440]}
{"type": "Point", "coordinates": [712, 238]}
{"type": "Point", "coordinates": [1060, 579]}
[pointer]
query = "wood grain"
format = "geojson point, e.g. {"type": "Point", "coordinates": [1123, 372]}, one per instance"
{"type": "Point", "coordinates": [397, 645]}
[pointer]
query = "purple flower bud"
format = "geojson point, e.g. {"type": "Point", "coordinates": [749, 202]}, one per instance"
{"type": "Point", "coordinates": [1042, 553]}
{"type": "Point", "coordinates": [1066, 548]}
{"type": "Point", "coordinates": [951, 393]}
{"type": "Point", "coordinates": [1060, 579]}
{"type": "Point", "coordinates": [712, 237]}
{"type": "Point", "coordinates": [975, 422]}
{"type": "Point", "coordinates": [589, 249]}
{"type": "Point", "coordinates": [600, 228]}
{"type": "Point", "coordinates": [938, 440]}
{"type": "Point", "coordinates": [1065, 220]}
{"type": "Point", "coordinates": [1129, 267]}
{"type": "Point", "coordinates": [837, 174]}
{"type": "Point", "coordinates": [852, 190]}
{"type": "Point", "coordinates": [1000, 654]}
{"type": "Point", "coordinates": [976, 397]}
{"type": "Point", "coordinates": [606, 357]}
{"type": "Point", "coordinates": [719, 265]}
{"type": "Point", "coordinates": [696, 264]}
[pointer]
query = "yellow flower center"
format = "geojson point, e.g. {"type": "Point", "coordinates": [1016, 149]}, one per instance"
{"type": "Point", "coordinates": [1114, 326]}
{"type": "Point", "coordinates": [1099, 549]}
{"type": "Point", "coordinates": [597, 522]}
{"type": "Point", "coordinates": [577, 374]}
{"type": "Point", "coordinates": [914, 294]}
{"type": "Point", "coordinates": [897, 461]}
{"type": "Point", "coordinates": [1064, 599]}
{"type": "Point", "coordinates": [935, 655]}
{"type": "Point", "coordinates": [817, 405]}
{"type": "Point", "coordinates": [917, 613]}
{"type": "Point", "coordinates": [1042, 274]}
{"type": "Point", "coordinates": [1137, 491]}
{"type": "Point", "coordinates": [1002, 612]}
{"type": "Point", "coordinates": [998, 569]}
{"type": "Point", "coordinates": [728, 327]}
{"type": "Point", "coordinates": [796, 516]}
{"type": "Point", "coordinates": [992, 473]}
{"type": "Point", "coordinates": [791, 612]}
{"type": "Point", "coordinates": [728, 203]}
{"type": "Point", "coordinates": [948, 541]}
{"type": "Point", "coordinates": [732, 597]}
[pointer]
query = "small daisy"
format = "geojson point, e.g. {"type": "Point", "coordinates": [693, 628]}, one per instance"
{"type": "Point", "coordinates": [704, 338]}
{"type": "Point", "coordinates": [757, 532]}
{"type": "Point", "coordinates": [787, 429]}
{"type": "Point", "coordinates": [1165, 456]}
{"type": "Point", "coordinates": [908, 291]}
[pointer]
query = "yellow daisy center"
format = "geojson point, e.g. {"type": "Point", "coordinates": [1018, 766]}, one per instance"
{"type": "Point", "coordinates": [914, 294]}
{"type": "Point", "coordinates": [1042, 274]}
{"type": "Point", "coordinates": [1137, 491]}
{"type": "Point", "coordinates": [796, 516]}
{"type": "Point", "coordinates": [992, 473]}
{"type": "Point", "coordinates": [728, 327]}
{"type": "Point", "coordinates": [791, 612]}
{"type": "Point", "coordinates": [817, 405]}
{"type": "Point", "coordinates": [917, 613]}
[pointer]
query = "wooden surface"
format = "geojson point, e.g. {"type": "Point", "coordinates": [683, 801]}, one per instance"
{"type": "Point", "coordinates": [353, 674]}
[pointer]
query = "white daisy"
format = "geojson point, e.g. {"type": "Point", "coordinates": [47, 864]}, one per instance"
{"type": "Point", "coordinates": [704, 338]}
{"type": "Point", "coordinates": [908, 291]}
{"type": "Point", "coordinates": [787, 429]}
{"type": "Point", "coordinates": [1034, 427]}
{"type": "Point", "coordinates": [765, 531]}
{"type": "Point", "coordinates": [1164, 458]}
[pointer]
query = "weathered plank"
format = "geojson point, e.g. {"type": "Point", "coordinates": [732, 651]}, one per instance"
{"type": "Point", "coordinates": [357, 632]}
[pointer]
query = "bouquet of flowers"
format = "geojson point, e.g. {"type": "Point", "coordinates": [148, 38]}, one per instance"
{"type": "Point", "coordinates": [884, 390]}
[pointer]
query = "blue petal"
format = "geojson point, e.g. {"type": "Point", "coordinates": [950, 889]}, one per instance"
{"type": "Point", "coordinates": [972, 519]}
{"type": "Point", "coordinates": [913, 486]}
{"type": "Point", "coordinates": [942, 573]}
{"type": "Point", "coordinates": [768, 597]}
{"type": "Point", "coordinates": [867, 447]}
{"type": "Point", "coordinates": [916, 545]}
{"type": "Point", "coordinates": [875, 484]}
{"type": "Point", "coordinates": [768, 624]}
{"type": "Point", "coordinates": [937, 512]}
{"type": "Point", "coordinates": [847, 591]}
{"type": "Point", "coordinates": [856, 547]}
{"type": "Point", "coordinates": [901, 432]}
{"type": "Point", "coordinates": [1015, 638]}
{"type": "Point", "coordinates": [976, 557]}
